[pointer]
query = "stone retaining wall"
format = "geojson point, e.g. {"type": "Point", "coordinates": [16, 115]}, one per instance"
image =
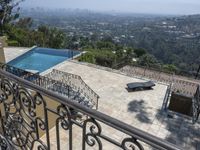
{"type": "Point", "coordinates": [2, 45]}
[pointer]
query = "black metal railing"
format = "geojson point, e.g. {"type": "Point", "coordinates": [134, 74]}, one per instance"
{"type": "Point", "coordinates": [167, 98]}
{"type": "Point", "coordinates": [29, 111]}
{"type": "Point", "coordinates": [60, 87]}
{"type": "Point", "coordinates": [196, 105]}
{"type": "Point", "coordinates": [77, 84]}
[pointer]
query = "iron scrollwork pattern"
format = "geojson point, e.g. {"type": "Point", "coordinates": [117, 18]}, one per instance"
{"type": "Point", "coordinates": [64, 121]}
{"type": "Point", "coordinates": [91, 137]}
{"type": "Point", "coordinates": [5, 144]}
{"type": "Point", "coordinates": [131, 144]}
{"type": "Point", "coordinates": [20, 120]}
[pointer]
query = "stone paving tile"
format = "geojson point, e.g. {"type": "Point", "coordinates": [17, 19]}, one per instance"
{"type": "Point", "coordinates": [140, 109]}
{"type": "Point", "coordinates": [13, 52]}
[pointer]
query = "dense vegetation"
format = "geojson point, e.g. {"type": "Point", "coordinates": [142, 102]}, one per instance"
{"type": "Point", "coordinates": [167, 43]}
{"type": "Point", "coordinates": [20, 35]}
{"type": "Point", "coordinates": [173, 40]}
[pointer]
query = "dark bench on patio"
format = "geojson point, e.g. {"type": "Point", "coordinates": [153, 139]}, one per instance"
{"type": "Point", "coordinates": [140, 85]}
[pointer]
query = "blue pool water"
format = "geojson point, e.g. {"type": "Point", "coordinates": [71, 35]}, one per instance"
{"type": "Point", "coordinates": [41, 59]}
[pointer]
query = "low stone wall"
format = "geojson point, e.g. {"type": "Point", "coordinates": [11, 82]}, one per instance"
{"type": "Point", "coordinates": [181, 84]}
{"type": "Point", "coordinates": [145, 78]}
{"type": "Point", "coordinates": [2, 55]}
{"type": "Point", "coordinates": [3, 39]}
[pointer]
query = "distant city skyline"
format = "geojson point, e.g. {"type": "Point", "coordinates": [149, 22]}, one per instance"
{"type": "Point", "coordinates": [178, 7]}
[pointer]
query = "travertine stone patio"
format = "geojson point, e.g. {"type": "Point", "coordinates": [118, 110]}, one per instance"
{"type": "Point", "coordinates": [13, 52]}
{"type": "Point", "coordinates": [140, 109]}
{"type": "Point", "coordinates": [115, 100]}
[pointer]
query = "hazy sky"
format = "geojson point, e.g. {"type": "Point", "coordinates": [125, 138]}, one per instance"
{"type": "Point", "coordinates": [135, 6]}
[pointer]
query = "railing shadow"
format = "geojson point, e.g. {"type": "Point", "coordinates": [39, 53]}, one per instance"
{"type": "Point", "coordinates": [179, 130]}
{"type": "Point", "coordinates": [174, 128]}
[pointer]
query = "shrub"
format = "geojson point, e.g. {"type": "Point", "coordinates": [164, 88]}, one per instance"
{"type": "Point", "coordinates": [13, 43]}
{"type": "Point", "coordinates": [87, 57]}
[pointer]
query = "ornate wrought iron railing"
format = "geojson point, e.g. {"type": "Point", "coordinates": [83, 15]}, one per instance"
{"type": "Point", "coordinates": [57, 86]}
{"type": "Point", "coordinates": [28, 112]}
{"type": "Point", "coordinates": [77, 84]}
{"type": "Point", "coordinates": [196, 105]}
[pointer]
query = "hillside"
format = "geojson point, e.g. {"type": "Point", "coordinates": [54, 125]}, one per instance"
{"type": "Point", "coordinates": [171, 39]}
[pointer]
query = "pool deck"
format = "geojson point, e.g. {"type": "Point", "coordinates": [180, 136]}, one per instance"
{"type": "Point", "coordinates": [13, 52]}
{"type": "Point", "coordinates": [141, 109]}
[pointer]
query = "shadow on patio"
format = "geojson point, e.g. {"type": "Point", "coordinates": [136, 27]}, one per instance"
{"type": "Point", "coordinates": [182, 132]}
{"type": "Point", "coordinates": [173, 128]}
{"type": "Point", "coordinates": [138, 106]}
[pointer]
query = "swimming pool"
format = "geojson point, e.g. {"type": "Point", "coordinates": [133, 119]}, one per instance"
{"type": "Point", "coordinates": [40, 59]}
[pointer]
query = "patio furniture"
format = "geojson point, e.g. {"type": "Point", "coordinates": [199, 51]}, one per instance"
{"type": "Point", "coordinates": [140, 85]}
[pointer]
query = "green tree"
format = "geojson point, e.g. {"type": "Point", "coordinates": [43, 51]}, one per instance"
{"type": "Point", "coordinates": [105, 45]}
{"type": "Point", "coordinates": [56, 38]}
{"type": "Point", "coordinates": [170, 68]}
{"type": "Point", "coordinates": [139, 52]}
{"type": "Point", "coordinates": [147, 60]}
{"type": "Point", "coordinates": [51, 37]}
{"type": "Point", "coordinates": [87, 57]}
{"type": "Point", "coordinates": [25, 23]}
{"type": "Point", "coordinates": [129, 55]}
{"type": "Point", "coordinates": [9, 11]}
{"type": "Point", "coordinates": [120, 54]}
{"type": "Point", "coordinates": [21, 36]}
